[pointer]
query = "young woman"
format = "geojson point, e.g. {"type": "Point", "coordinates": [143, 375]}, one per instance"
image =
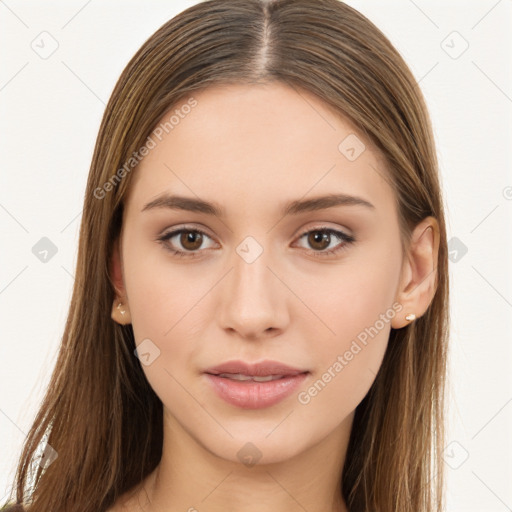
{"type": "Point", "coordinates": [260, 314]}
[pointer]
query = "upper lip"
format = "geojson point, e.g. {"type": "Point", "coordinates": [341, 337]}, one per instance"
{"type": "Point", "coordinates": [261, 369]}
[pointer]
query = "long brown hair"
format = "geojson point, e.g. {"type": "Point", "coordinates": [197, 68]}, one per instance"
{"type": "Point", "coordinates": [100, 414]}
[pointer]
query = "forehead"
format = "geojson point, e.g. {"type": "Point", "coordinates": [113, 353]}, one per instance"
{"type": "Point", "coordinates": [257, 145]}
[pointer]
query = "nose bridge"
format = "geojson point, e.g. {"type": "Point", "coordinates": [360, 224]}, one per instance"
{"type": "Point", "coordinates": [253, 300]}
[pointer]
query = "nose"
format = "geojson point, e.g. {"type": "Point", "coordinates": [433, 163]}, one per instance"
{"type": "Point", "coordinates": [254, 300]}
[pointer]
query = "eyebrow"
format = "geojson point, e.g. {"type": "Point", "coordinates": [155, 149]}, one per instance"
{"type": "Point", "coordinates": [191, 204]}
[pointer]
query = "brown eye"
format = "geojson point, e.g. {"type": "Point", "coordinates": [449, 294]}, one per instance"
{"type": "Point", "coordinates": [185, 242]}
{"type": "Point", "coordinates": [191, 240]}
{"type": "Point", "coordinates": [319, 240]}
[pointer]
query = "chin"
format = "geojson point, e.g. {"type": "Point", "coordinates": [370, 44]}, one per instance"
{"type": "Point", "coordinates": [254, 445]}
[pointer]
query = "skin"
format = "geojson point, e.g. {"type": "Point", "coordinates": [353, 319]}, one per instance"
{"type": "Point", "coordinates": [251, 149]}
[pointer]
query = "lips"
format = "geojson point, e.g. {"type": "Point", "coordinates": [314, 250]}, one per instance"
{"type": "Point", "coordinates": [262, 369]}
{"type": "Point", "coordinates": [254, 385]}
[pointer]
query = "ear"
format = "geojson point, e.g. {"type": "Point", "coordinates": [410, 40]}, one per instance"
{"type": "Point", "coordinates": [120, 309]}
{"type": "Point", "coordinates": [418, 281]}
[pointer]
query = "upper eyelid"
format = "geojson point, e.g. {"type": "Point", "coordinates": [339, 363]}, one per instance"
{"type": "Point", "coordinates": [319, 227]}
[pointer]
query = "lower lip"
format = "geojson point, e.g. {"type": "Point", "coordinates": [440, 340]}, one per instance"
{"type": "Point", "coordinates": [250, 394]}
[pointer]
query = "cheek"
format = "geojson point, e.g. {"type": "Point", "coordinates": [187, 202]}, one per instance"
{"type": "Point", "coordinates": [354, 308]}
{"type": "Point", "coordinates": [349, 297]}
{"type": "Point", "coordinates": [161, 293]}
{"type": "Point", "coordinates": [164, 305]}
{"type": "Point", "coordinates": [347, 363]}
{"type": "Point", "coordinates": [169, 305]}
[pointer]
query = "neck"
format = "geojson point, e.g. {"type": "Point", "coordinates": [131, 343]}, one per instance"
{"type": "Point", "coordinates": [192, 478]}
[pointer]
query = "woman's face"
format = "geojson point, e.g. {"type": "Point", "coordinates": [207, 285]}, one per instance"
{"type": "Point", "coordinates": [259, 284]}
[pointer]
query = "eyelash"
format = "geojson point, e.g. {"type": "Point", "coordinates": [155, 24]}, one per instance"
{"type": "Point", "coordinates": [347, 239]}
